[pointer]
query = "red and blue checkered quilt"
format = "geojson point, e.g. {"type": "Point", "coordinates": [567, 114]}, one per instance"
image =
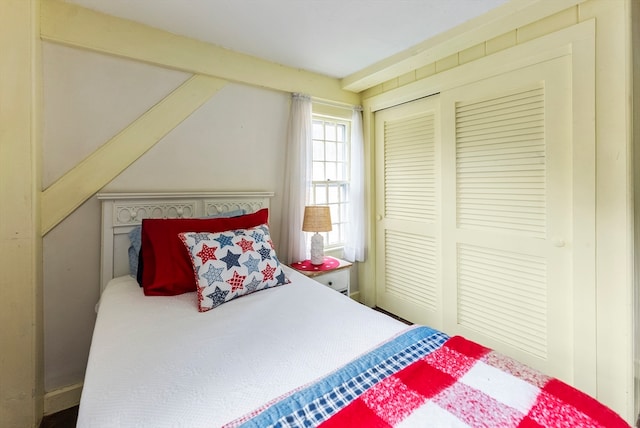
{"type": "Point", "coordinates": [424, 378]}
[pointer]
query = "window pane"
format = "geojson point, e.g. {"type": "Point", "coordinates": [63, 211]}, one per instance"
{"type": "Point", "coordinates": [343, 212]}
{"type": "Point", "coordinates": [344, 193]}
{"type": "Point", "coordinates": [330, 130]}
{"type": "Point", "coordinates": [334, 195]}
{"type": "Point", "coordinates": [318, 171]}
{"type": "Point", "coordinates": [318, 130]}
{"type": "Point", "coordinates": [318, 150]}
{"type": "Point", "coordinates": [331, 152]}
{"type": "Point", "coordinates": [340, 229]}
{"type": "Point", "coordinates": [341, 149]}
{"type": "Point", "coordinates": [334, 237]}
{"type": "Point", "coordinates": [320, 195]}
{"type": "Point", "coordinates": [342, 171]}
{"type": "Point", "coordinates": [342, 132]}
{"type": "Point", "coordinates": [335, 213]}
{"type": "Point", "coordinates": [331, 173]}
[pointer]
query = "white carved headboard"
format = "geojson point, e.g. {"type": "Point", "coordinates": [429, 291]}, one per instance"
{"type": "Point", "coordinates": [121, 212]}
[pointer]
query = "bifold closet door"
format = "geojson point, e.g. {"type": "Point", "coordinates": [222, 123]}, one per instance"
{"type": "Point", "coordinates": [408, 211]}
{"type": "Point", "coordinates": [478, 205]}
{"type": "Point", "coordinates": [507, 214]}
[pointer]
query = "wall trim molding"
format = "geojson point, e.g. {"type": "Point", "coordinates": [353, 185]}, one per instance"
{"type": "Point", "coordinates": [62, 398]}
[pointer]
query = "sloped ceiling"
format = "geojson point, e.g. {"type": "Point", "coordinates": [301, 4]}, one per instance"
{"type": "Point", "coordinates": [331, 37]}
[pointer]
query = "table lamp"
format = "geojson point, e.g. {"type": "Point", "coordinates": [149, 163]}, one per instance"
{"type": "Point", "coordinates": [316, 219]}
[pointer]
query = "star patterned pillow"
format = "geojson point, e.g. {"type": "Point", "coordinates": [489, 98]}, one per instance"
{"type": "Point", "coordinates": [231, 264]}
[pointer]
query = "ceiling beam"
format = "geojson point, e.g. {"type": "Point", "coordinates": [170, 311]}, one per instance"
{"type": "Point", "coordinates": [103, 165]}
{"type": "Point", "coordinates": [72, 25]}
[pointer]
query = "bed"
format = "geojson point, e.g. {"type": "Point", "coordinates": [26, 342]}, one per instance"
{"type": "Point", "coordinates": [291, 353]}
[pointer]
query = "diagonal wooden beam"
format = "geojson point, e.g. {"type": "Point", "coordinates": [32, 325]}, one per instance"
{"type": "Point", "coordinates": [72, 25]}
{"type": "Point", "coordinates": [113, 157]}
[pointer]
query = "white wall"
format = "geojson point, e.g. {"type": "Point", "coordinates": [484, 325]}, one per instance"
{"type": "Point", "coordinates": [233, 142]}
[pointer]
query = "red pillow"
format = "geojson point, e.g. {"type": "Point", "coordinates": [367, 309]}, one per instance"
{"type": "Point", "coordinates": [167, 268]}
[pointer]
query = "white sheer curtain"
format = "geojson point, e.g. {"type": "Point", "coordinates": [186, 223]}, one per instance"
{"type": "Point", "coordinates": [354, 245]}
{"type": "Point", "coordinates": [297, 180]}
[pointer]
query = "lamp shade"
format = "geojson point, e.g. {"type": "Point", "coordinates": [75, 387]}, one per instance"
{"type": "Point", "coordinates": [316, 219]}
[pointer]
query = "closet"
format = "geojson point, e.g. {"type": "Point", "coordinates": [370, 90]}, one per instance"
{"type": "Point", "coordinates": [480, 215]}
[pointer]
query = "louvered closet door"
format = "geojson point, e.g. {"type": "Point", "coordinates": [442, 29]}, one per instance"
{"type": "Point", "coordinates": [507, 214]}
{"type": "Point", "coordinates": [408, 254]}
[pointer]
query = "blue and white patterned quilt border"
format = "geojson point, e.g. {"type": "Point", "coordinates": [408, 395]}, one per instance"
{"type": "Point", "coordinates": [315, 403]}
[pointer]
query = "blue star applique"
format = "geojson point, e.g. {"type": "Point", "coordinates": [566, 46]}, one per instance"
{"type": "Point", "coordinates": [257, 236]}
{"type": "Point", "coordinates": [218, 296]}
{"type": "Point", "coordinates": [264, 228]}
{"type": "Point", "coordinates": [213, 275]}
{"type": "Point", "coordinates": [265, 252]}
{"type": "Point", "coordinates": [252, 264]}
{"type": "Point", "coordinates": [253, 285]}
{"type": "Point", "coordinates": [281, 278]}
{"type": "Point", "coordinates": [224, 241]}
{"type": "Point", "coordinates": [240, 232]}
{"type": "Point", "coordinates": [199, 237]}
{"type": "Point", "coordinates": [231, 259]}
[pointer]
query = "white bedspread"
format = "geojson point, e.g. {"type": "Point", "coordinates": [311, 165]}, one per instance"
{"type": "Point", "coordinates": [158, 362]}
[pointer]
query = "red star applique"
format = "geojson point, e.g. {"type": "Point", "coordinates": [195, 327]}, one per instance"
{"type": "Point", "coordinates": [270, 242]}
{"type": "Point", "coordinates": [245, 245]}
{"type": "Point", "coordinates": [236, 281]}
{"type": "Point", "coordinates": [268, 272]}
{"type": "Point", "coordinates": [207, 253]}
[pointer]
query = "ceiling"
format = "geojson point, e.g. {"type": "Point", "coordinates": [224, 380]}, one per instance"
{"type": "Point", "coordinates": [331, 37]}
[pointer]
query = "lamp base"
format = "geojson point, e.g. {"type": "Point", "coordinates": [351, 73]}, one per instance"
{"type": "Point", "coordinates": [317, 249]}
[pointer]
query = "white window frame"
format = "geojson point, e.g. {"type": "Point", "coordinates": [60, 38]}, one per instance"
{"type": "Point", "coordinates": [332, 190]}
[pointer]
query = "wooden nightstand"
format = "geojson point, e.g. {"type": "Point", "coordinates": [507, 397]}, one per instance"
{"type": "Point", "coordinates": [338, 277]}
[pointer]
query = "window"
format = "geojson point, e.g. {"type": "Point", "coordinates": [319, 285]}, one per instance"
{"type": "Point", "coordinates": [330, 174]}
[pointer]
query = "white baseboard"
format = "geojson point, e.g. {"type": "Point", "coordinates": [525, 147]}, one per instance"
{"type": "Point", "coordinates": [62, 398]}
{"type": "Point", "coordinates": [355, 296]}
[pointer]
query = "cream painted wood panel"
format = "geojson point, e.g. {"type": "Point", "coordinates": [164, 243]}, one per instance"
{"type": "Point", "coordinates": [507, 214]}
{"type": "Point", "coordinates": [21, 334]}
{"type": "Point", "coordinates": [477, 215]}
{"type": "Point", "coordinates": [408, 208]}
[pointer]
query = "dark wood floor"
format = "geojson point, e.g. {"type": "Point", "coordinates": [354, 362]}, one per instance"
{"type": "Point", "coordinates": [64, 419]}
{"type": "Point", "coordinates": [393, 316]}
